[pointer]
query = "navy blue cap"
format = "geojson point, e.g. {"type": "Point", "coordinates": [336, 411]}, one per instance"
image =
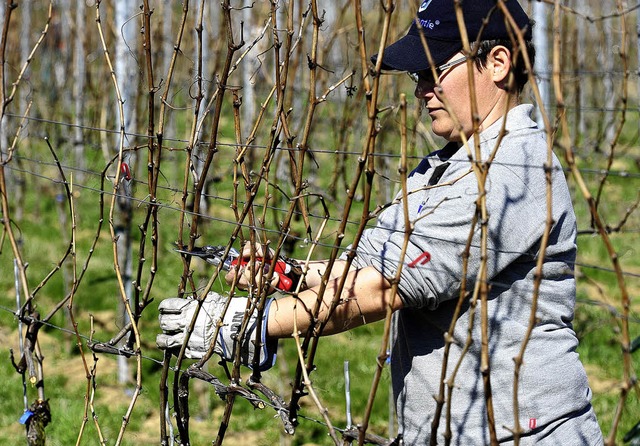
{"type": "Point", "coordinates": [439, 26]}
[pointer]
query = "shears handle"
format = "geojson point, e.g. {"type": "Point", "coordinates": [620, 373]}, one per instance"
{"type": "Point", "coordinates": [284, 270]}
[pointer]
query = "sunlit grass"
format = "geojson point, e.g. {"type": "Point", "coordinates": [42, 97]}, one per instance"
{"type": "Point", "coordinates": [45, 237]}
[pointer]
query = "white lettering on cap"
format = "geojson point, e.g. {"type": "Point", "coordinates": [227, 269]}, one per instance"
{"type": "Point", "coordinates": [428, 23]}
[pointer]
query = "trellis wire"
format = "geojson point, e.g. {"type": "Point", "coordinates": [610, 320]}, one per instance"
{"type": "Point", "coordinates": [261, 188]}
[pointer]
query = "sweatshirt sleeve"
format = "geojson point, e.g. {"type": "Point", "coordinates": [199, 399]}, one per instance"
{"type": "Point", "coordinates": [442, 220]}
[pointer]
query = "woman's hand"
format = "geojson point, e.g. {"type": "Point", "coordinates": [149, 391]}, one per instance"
{"type": "Point", "coordinates": [247, 275]}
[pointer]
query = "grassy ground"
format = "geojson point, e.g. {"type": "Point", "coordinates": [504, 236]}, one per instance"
{"type": "Point", "coordinates": [45, 237]}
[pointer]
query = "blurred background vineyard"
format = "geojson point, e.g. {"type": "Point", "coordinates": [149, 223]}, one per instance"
{"type": "Point", "coordinates": [130, 127]}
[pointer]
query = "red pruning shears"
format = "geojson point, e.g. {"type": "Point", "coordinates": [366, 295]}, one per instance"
{"type": "Point", "coordinates": [289, 272]}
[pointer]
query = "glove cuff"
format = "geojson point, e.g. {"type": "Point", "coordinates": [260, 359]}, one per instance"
{"type": "Point", "coordinates": [228, 341]}
{"type": "Point", "coordinates": [269, 346]}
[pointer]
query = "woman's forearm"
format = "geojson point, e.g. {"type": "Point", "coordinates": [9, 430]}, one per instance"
{"type": "Point", "coordinates": [364, 299]}
{"type": "Point", "coordinates": [317, 268]}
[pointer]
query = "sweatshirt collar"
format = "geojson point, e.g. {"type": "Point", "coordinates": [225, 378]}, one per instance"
{"type": "Point", "coordinates": [518, 118]}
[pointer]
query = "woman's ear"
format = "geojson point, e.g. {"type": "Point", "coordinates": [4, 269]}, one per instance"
{"type": "Point", "coordinates": [499, 65]}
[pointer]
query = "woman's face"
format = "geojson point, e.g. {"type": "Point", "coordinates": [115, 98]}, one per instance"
{"type": "Point", "coordinates": [453, 87]}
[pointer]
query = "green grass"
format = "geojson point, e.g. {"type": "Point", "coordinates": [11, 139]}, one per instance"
{"type": "Point", "coordinates": [599, 310]}
{"type": "Point", "coordinates": [44, 242]}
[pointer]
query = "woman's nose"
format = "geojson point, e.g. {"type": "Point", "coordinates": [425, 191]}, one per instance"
{"type": "Point", "coordinates": [423, 88]}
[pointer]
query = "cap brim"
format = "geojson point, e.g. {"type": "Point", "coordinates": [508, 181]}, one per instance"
{"type": "Point", "coordinates": [408, 53]}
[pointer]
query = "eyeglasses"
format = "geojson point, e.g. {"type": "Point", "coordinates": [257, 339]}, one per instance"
{"type": "Point", "coordinates": [427, 75]}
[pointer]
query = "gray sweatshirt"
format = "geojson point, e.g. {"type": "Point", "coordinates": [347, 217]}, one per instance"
{"type": "Point", "coordinates": [553, 393]}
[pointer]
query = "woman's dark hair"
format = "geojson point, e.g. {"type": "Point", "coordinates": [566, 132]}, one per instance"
{"type": "Point", "coordinates": [518, 67]}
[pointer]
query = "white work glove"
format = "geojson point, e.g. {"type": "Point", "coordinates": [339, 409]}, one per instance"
{"type": "Point", "coordinates": [176, 315]}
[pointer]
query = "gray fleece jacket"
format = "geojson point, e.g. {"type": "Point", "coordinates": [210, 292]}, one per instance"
{"type": "Point", "coordinates": [553, 392]}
